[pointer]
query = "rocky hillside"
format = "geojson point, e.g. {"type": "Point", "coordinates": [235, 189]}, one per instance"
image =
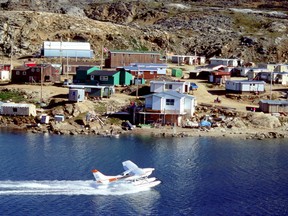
{"type": "Point", "coordinates": [254, 31]}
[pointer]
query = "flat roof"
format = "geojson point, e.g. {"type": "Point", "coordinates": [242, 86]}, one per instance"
{"type": "Point", "coordinates": [87, 86]}
{"type": "Point", "coordinates": [246, 81]}
{"type": "Point", "coordinates": [275, 102]}
{"type": "Point", "coordinates": [103, 72]}
{"type": "Point", "coordinates": [134, 52]}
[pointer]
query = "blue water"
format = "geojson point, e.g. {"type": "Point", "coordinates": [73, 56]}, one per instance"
{"type": "Point", "coordinates": [51, 175]}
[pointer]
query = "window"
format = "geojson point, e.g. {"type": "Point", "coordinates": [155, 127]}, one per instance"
{"type": "Point", "coordinates": [151, 72]}
{"type": "Point", "coordinates": [17, 72]}
{"type": "Point", "coordinates": [170, 102]}
{"type": "Point", "coordinates": [168, 86]}
{"type": "Point", "coordinates": [24, 73]}
{"type": "Point", "coordinates": [104, 78]}
{"type": "Point", "coordinates": [92, 77]}
{"type": "Point", "coordinates": [14, 109]}
{"type": "Point", "coordinates": [32, 70]}
{"type": "Point", "coordinates": [38, 70]}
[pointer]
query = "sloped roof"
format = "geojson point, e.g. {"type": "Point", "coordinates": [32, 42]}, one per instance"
{"type": "Point", "coordinates": [104, 73]}
{"type": "Point", "coordinates": [134, 52]}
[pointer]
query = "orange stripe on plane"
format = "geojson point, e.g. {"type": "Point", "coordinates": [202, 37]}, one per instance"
{"type": "Point", "coordinates": [94, 171]}
{"type": "Point", "coordinates": [112, 179]}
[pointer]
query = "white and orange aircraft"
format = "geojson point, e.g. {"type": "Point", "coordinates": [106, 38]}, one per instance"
{"type": "Point", "coordinates": [132, 175]}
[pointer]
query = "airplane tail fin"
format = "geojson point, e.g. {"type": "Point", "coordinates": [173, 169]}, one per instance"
{"type": "Point", "coordinates": [98, 175]}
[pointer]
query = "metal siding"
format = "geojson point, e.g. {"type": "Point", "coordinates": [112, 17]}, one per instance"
{"type": "Point", "coordinates": [69, 53]}
{"type": "Point", "coordinates": [125, 59]}
{"type": "Point", "coordinates": [116, 80]}
{"type": "Point", "coordinates": [128, 78]}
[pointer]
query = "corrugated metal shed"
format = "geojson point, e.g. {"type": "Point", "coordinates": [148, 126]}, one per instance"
{"type": "Point", "coordinates": [67, 49]}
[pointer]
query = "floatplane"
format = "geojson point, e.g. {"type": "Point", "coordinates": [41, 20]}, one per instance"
{"type": "Point", "coordinates": [132, 175]}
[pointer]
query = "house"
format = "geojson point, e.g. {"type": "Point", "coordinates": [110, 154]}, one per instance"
{"type": "Point", "coordinates": [186, 59]}
{"type": "Point", "coordinates": [90, 90]}
{"type": "Point", "coordinates": [226, 62]}
{"type": "Point", "coordinates": [105, 77]}
{"type": "Point", "coordinates": [145, 71]}
{"type": "Point", "coordinates": [204, 72]}
{"type": "Point", "coordinates": [274, 67]}
{"type": "Point", "coordinates": [161, 86]}
{"type": "Point", "coordinates": [18, 109]}
{"type": "Point", "coordinates": [66, 49]}
{"type": "Point", "coordinates": [219, 77]}
{"type": "Point", "coordinates": [282, 78]}
{"type": "Point", "coordinates": [70, 67]}
{"type": "Point", "coordinates": [44, 72]}
{"type": "Point", "coordinates": [245, 86]}
{"type": "Point", "coordinates": [253, 72]}
{"type": "Point", "coordinates": [118, 58]}
{"type": "Point", "coordinates": [4, 75]}
{"type": "Point", "coordinates": [281, 68]}
{"type": "Point", "coordinates": [82, 72]}
{"type": "Point", "coordinates": [167, 107]}
{"type": "Point", "coordinates": [273, 106]}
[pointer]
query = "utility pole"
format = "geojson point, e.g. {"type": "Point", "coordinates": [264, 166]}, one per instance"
{"type": "Point", "coordinates": [101, 62]}
{"type": "Point", "coordinates": [41, 80]}
{"type": "Point", "coordinates": [271, 85]}
{"type": "Point", "coordinates": [137, 80]}
{"type": "Point", "coordinates": [11, 56]}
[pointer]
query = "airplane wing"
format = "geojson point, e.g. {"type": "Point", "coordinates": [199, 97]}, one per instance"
{"type": "Point", "coordinates": [131, 168]}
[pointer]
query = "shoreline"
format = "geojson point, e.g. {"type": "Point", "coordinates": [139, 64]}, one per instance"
{"type": "Point", "coordinates": [218, 132]}
{"type": "Point", "coordinates": [246, 133]}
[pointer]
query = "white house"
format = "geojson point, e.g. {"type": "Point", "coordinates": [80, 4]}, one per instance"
{"type": "Point", "coordinates": [281, 68]}
{"type": "Point", "coordinates": [160, 86]}
{"type": "Point", "coordinates": [242, 86]}
{"type": "Point", "coordinates": [186, 59]}
{"type": "Point", "coordinates": [282, 78]}
{"type": "Point", "coordinates": [18, 109]}
{"type": "Point", "coordinates": [4, 75]}
{"type": "Point", "coordinates": [170, 106]}
{"type": "Point", "coordinates": [226, 62]}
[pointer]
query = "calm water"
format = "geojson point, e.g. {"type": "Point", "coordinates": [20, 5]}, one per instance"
{"type": "Point", "coordinates": [51, 175]}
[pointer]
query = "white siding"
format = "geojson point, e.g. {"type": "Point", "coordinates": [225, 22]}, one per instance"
{"type": "Point", "coordinates": [4, 75]}
{"type": "Point", "coordinates": [252, 87]}
{"type": "Point", "coordinates": [18, 109]}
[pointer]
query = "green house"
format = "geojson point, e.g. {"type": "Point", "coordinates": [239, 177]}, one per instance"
{"type": "Point", "coordinates": [104, 77]}
{"type": "Point", "coordinates": [82, 72]}
{"type": "Point", "coordinates": [177, 72]}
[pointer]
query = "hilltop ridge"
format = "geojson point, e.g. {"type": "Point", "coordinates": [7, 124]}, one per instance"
{"type": "Point", "coordinates": [242, 29]}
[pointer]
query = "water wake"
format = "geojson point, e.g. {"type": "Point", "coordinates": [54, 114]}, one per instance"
{"type": "Point", "coordinates": [46, 187]}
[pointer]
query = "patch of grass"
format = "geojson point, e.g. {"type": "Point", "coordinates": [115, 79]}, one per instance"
{"type": "Point", "coordinates": [249, 22]}
{"type": "Point", "coordinates": [100, 108]}
{"type": "Point", "coordinates": [114, 121]}
{"type": "Point", "coordinates": [10, 95]}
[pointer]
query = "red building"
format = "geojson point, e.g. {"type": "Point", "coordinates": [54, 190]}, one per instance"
{"type": "Point", "coordinates": [24, 74]}
{"type": "Point", "coordinates": [124, 58]}
{"type": "Point", "coordinates": [219, 77]}
{"type": "Point", "coordinates": [5, 67]}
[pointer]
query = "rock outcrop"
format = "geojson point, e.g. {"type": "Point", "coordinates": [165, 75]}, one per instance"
{"type": "Point", "coordinates": [183, 27]}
